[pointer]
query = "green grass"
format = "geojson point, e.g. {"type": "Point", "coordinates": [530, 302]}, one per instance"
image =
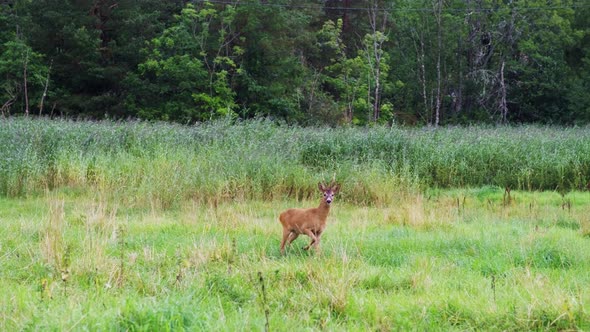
{"type": "Point", "coordinates": [152, 226]}
{"type": "Point", "coordinates": [420, 264]}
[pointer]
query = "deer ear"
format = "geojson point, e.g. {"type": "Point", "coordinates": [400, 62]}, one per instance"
{"type": "Point", "coordinates": [321, 186]}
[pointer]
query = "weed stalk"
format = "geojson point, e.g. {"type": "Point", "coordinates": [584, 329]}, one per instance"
{"type": "Point", "coordinates": [264, 302]}
{"type": "Point", "coordinates": [494, 286]}
{"type": "Point", "coordinates": [121, 245]}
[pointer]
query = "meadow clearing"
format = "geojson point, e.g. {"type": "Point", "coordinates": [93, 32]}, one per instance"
{"type": "Point", "coordinates": [144, 227]}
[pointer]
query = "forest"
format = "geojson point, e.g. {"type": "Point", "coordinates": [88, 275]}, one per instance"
{"type": "Point", "coordinates": [330, 62]}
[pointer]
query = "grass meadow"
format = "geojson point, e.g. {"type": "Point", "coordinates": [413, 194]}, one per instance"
{"type": "Point", "coordinates": [158, 227]}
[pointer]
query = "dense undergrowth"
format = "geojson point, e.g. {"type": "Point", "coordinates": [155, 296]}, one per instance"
{"type": "Point", "coordinates": [261, 160]}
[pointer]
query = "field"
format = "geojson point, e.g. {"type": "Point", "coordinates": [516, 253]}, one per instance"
{"type": "Point", "coordinates": [138, 226]}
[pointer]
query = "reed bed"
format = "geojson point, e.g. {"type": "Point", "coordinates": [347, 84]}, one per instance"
{"type": "Point", "coordinates": [161, 163]}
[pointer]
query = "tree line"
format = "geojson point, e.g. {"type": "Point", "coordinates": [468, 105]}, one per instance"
{"type": "Point", "coordinates": [416, 62]}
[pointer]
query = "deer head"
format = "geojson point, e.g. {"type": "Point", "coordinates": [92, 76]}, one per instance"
{"type": "Point", "coordinates": [329, 191]}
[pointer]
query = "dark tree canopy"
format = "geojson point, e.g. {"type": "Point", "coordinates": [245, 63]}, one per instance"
{"type": "Point", "coordinates": [308, 62]}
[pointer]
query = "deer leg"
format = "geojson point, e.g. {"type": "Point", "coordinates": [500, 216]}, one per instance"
{"type": "Point", "coordinates": [292, 237]}
{"type": "Point", "coordinates": [286, 234]}
{"type": "Point", "coordinates": [317, 242]}
{"type": "Point", "coordinates": [312, 236]}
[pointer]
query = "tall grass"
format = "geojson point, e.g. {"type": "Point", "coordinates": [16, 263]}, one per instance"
{"type": "Point", "coordinates": [153, 226]}
{"type": "Point", "coordinates": [159, 164]}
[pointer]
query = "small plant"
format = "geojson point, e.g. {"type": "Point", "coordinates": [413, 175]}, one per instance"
{"type": "Point", "coordinates": [181, 264]}
{"type": "Point", "coordinates": [65, 268]}
{"type": "Point", "coordinates": [493, 285]}
{"type": "Point", "coordinates": [45, 289]}
{"type": "Point", "coordinates": [566, 203]}
{"type": "Point", "coordinates": [507, 199]}
{"type": "Point", "coordinates": [121, 246]}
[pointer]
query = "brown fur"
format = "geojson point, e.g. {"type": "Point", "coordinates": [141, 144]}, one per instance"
{"type": "Point", "coordinates": [310, 222]}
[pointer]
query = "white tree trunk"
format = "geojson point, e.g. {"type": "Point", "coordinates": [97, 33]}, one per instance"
{"type": "Point", "coordinates": [503, 104]}
{"type": "Point", "coordinates": [25, 84]}
{"type": "Point", "coordinates": [438, 70]}
{"type": "Point", "coordinates": [45, 90]}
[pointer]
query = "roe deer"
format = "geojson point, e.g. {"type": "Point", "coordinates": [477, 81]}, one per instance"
{"type": "Point", "coordinates": [310, 222]}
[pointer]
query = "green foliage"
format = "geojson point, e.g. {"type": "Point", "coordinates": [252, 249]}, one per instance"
{"type": "Point", "coordinates": [308, 63]}
{"type": "Point", "coordinates": [345, 77]}
{"type": "Point", "coordinates": [276, 80]}
{"type": "Point", "coordinates": [259, 159]}
{"type": "Point", "coordinates": [542, 66]}
{"type": "Point", "coordinates": [15, 56]}
{"type": "Point", "coordinates": [186, 64]}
